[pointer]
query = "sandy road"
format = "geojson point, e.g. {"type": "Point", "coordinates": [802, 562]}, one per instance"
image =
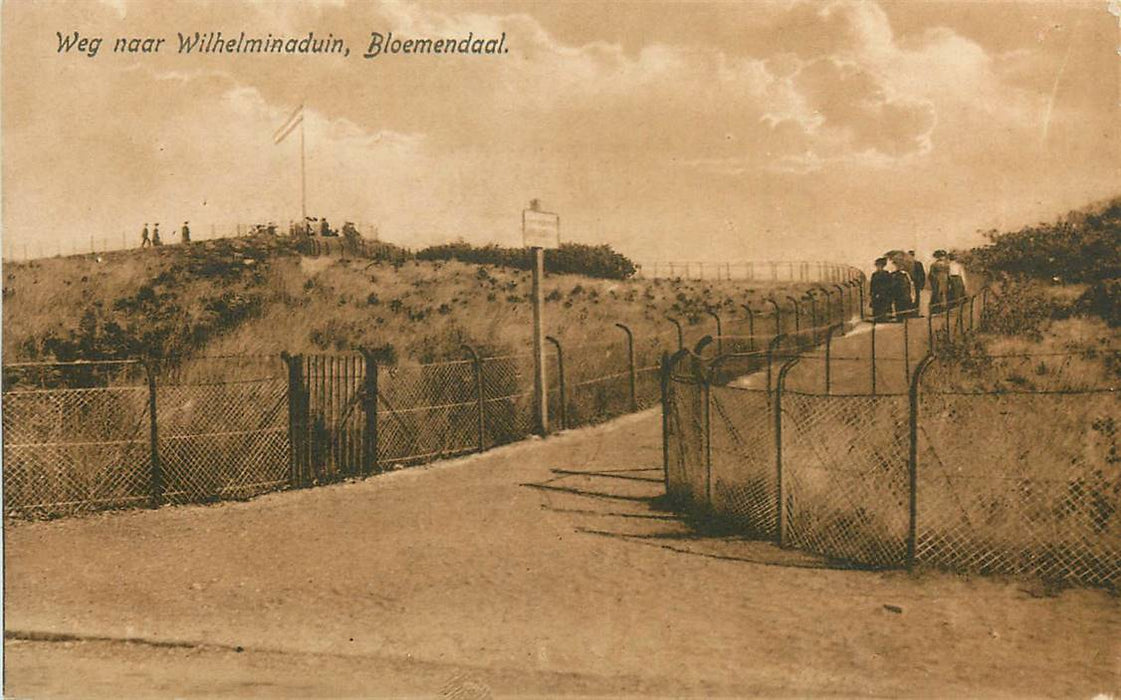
{"type": "Point", "coordinates": [539, 568]}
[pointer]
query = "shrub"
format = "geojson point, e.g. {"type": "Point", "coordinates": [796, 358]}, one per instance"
{"type": "Point", "coordinates": [1103, 299]}
{"type": "Point", "coordinates": [1081, 247]}
{"type": "Point", "coordinates": [1023, 308]}
{"type": "Point", "coordinates": [570, 258]}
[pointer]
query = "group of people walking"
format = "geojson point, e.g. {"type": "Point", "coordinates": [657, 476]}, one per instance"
{"type": "Point", "coordinates": [153, 239]}
{"type": "Point", "coordinates": [899, 280]}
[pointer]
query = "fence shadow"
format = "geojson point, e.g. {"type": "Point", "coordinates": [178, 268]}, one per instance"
{"type": "Point", "coordinates": [630, 506]}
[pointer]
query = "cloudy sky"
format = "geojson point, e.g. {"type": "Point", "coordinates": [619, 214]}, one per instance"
{"type": "Point", "coordinates": [723, 130]}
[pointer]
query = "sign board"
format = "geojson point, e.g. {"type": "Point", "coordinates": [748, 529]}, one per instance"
{"type": "Point", "coordinates": [540, 229]}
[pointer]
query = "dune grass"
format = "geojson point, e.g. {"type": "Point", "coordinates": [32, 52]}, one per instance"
{"type": "Point", "coordinates": [260, 296]}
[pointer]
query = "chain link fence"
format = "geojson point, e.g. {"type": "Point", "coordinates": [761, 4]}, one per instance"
{"type": "Point", "coordinates": [76, 438]}
{"type": "Point", "coordinates": [221, 429]}
{"type": "Point", "coordinates": [987, 464]}
{"type": "Point", "coordinates": [80, 437]}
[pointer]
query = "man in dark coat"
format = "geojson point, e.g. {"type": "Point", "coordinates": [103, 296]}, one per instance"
{"type": "Point", "coordinates": [918, 276]}
{"type": "Point", "coordinates": [880, 288]}
{"type": "Point", "coordinates": [903, 291]}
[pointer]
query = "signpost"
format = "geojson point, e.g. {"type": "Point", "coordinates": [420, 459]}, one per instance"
{"type": "Point", "coordinates": [540, 230]}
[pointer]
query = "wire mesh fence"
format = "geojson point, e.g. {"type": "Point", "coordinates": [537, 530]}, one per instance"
{"type": "Point", "coordinates": [685, 434]}
{"type": "Point", "coordinates": [76, 438]}
{"type": "Point", "coordinates": [507, 398]}
{"type": "Point", "coordinates": [981, 463]}
{"type": "Point", "coordinates": [845, 476]}
{"type": "Point", "coordinates": [427, 411]}
{"type": "Point", "coordinates": [597, 381]}
{"type": "Point", "coordinates": [221, 429]}
{"type": "Point", "coordinates": [88, 436]}
{"type": "Point", "coordinates": [744, 475]}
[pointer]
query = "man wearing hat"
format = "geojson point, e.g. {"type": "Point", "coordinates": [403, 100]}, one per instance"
{"type": "Point", "coordinates": [145, 241]}
{"type": "Point", "coordinates": [939, 278]}
{"type": "Point", "coordinates": [185, 233]}
{"type": "Point", "coordinates": [881, 288]}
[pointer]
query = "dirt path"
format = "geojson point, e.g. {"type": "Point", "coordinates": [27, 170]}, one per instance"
{"type": "Point", "coordinates": [539, 568]}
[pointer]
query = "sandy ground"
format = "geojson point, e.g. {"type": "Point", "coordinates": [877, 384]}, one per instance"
{"type": "Point", "coordinates": [545, 567]}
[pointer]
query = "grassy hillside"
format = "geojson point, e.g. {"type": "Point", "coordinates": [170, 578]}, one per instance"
{"type": "Point", "coordinates": [259, 295]}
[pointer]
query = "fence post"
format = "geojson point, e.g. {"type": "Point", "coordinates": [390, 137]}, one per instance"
{"type": "Point", "coordinates": [156, 484]}
{"type": "Point", "coordinates": [719, 331]}
{"type": "Point", "coordinates": [946, 319]}
{"type": "Point", "coordinates": [827, 315]}
{"type": "Point", "coordinates": [828, 350]}
{"type": "Point", "coordinates": [813, 315]}
{"type": "Point", "coordinates": [706, 384]}
{"type": "Point", "coordinates": [860, 286]}
{"type": "Point", "coordinates": [841, 289]}
{"type": "Point", "coordinates": [479, 402]}
{"type": "Point", "coordinates": [680, 333]}
{"type": "Point", "coordinates": [293, 417]}
{"type": "Point", "coordinates": [778, 315]}
{"type": "Point", "coordinates": [984, 307]}
{"type": "Point", "coordinates": [780, 490]}
{"type": "Point", "coordinates": [971, 312]}
{"type": "Point", "coordinates": [750, 327]}
{"type": "Point", "coordinates": [931, 311]}
{"type": "Point", "coordinates": [906, 352]}
{"type": "Point", "coordinates": [370, 408]}
{"type": "Point", "coordinates": [664, 377]}
{"type": "Point", "coordinates": [560, 382]}
{"type": "Point", "coordinates": [631, 373]}
{"type": "Point", "coordinates": [797, 315]}
{"type": "Point", "coordinates": [873, 360]}
{"type": "Point", "coordinates": [771, 347]}
{"type": "Point", "coordinates": [913, 461]}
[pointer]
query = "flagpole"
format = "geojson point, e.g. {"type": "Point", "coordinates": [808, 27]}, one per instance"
{"type": "Point", "coordinates": [303, 169]}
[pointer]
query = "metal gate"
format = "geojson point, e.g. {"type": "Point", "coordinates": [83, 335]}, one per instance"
{"type": "Point", "coordinates": [330, 418]}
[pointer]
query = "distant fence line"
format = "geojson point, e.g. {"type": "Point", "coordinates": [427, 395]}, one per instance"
{"type": "Point", "coordinates": [1014, 476]}
{"type": "Point", "coordinates": [750, 271]}
{"type": "Point", "coordinates": [131, 240]}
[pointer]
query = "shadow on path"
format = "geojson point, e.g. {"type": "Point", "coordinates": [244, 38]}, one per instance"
{"type": "Point", "coordinates": [629, 505]}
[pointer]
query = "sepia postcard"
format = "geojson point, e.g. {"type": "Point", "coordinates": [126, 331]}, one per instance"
{"type": "Point", "coordinates": [612, 348]}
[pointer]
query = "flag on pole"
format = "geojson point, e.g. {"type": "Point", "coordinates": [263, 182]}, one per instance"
{"type": "Point", "coordinates": [289, 124]}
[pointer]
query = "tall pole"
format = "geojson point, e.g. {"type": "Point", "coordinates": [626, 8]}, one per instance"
{"type": "Point", "coordinates": [541, 406]}
{"type": "Point", "coordinates": [303, 169]}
